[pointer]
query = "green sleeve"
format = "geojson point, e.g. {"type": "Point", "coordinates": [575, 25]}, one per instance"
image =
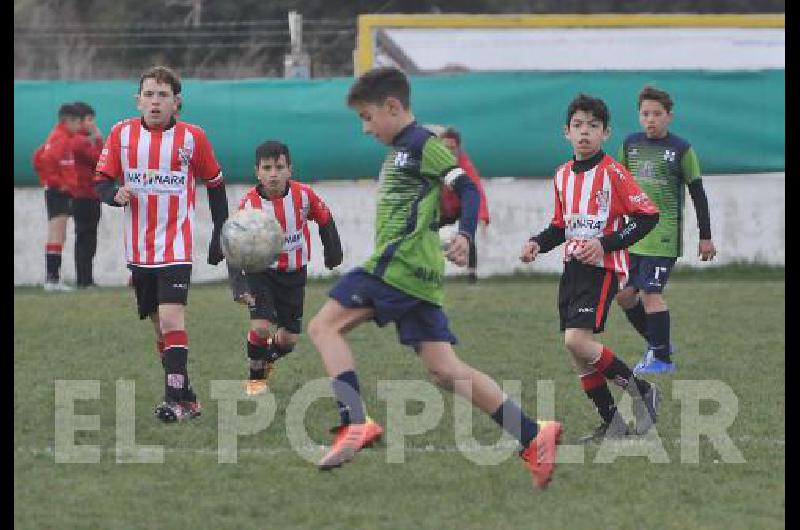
{"type": "Point", "coordinates": [436, 159]}
{"type": "Point", "coordinates": [690, 166]}
{"type": "Point", "coordinates": [621, 156]}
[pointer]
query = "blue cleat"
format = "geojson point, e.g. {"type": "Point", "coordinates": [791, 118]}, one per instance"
{"type": "Point", "coordinates": [652, 365]}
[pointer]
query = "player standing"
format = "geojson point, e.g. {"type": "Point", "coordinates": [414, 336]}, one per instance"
{"type": "Point", "coordinates": [593, 193]}
{"type": "Point", "coordinates": [54, 162]}
{"type": "Point", "coordinates": [276, 295]}
{"type": "Point", "coordinates": [87, 145]}
{"type": "Point", "coordinates": [662, 163]}
{"type": "Point", "coordinates": [402, 281]}
{"type": "Point", "coordinates": [150, 165]}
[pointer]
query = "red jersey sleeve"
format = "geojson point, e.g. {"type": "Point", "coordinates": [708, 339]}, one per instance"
{"type": "Point", "coordinates": [558, 212]}
{"type": "Point", "coordinates": [108, 162]}
{"type": "Point", "coordinates": [630, 197]}
{"type": "Point", "coordinates": [318, 211]}
{"type": "Point", "coordinates": [204, 161]}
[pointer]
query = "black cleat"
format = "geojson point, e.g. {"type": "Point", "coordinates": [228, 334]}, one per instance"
{"type": "Point", "coordinates": [616, 429]}
{"type": "Point", "coordinates": [171, 412]}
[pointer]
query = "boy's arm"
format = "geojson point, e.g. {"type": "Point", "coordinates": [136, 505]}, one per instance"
{"type": "Point", "coordinates": [693, 178]}
{"type": "Point", "coordinates": [555, 233]}
{"type": "Point", "coordinates": [467, 165]}
{"type": "Point", "coordinates": [207, 168]}
{"type": "Point", "coordinates": [108, 170]}
{"type": "Point", "coordinates": [331, 245]}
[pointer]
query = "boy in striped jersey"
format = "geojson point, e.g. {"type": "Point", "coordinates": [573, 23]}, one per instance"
{"type": "Point", "coordinates": [593, 193]}
{"type": "Point", "coordinates": [401, 281]}
{"type": "Point", "coordinates": [150, 166]}
{"type": "Point", "coordinates": [662, 163]}
{"type": "Point", "coordinates": [276, 295]}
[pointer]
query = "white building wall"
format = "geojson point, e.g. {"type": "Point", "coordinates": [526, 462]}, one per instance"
{"type": "Point", "coordinates": [748, 218]}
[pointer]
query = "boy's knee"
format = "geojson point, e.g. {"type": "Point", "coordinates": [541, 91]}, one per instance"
{"type": "Point", "coordinates": [654, 302]}
{"type": "Point", "coordinates": [316, 327]}
{"type": "Point", "coordinates": [442, 378]}
{"type": "Point", "coordinates": [575, 343]}
{"type": "Point", "coordinates": [627, 298]}
{"type": "Point", "coordinates": [262, 330]}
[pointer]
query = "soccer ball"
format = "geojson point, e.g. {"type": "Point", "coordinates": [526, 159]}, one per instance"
{"type": "Point", "coordinates": [251, 240]}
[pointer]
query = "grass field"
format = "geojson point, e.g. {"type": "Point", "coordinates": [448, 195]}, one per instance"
{"type": "Point", "coordinates": [727, 327]}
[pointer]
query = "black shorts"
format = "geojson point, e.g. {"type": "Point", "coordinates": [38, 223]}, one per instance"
{"type": "Point", "coordinates": [278, 297]}
{"type": "Point", "coordinates": [650, 273]}
{"type": "Point", "coordinates": [584, 296]}
{"type": "Point", "coordinates": [160, 285]}
{"type": "Point", "coordinates": [57, 203]}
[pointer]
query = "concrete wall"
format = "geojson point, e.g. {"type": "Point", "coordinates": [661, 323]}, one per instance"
{"type": "Point", "coordinates": [748, 217]}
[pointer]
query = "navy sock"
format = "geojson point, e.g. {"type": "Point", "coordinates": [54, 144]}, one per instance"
{"type": "Point", "coordinates": [658, 331]}
{"type": "Point", "coordinates": [638, 318]}
{"type": "Point", "coordinates": [348, 398]}
{"type": "Point", "coordinates": [511, 418]}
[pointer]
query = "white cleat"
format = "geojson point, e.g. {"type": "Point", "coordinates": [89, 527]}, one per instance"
{"type": "Point", "coordinates": [52, 287]}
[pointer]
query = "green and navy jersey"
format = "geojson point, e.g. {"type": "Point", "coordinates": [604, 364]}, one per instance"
{"type": "Point", "coordinates": [662, 167]}
{"type": "Point", "coordinates": [408, 253]}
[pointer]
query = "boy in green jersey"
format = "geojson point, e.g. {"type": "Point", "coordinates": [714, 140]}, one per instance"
{"type": "Point", "coordinates": [661, 162]}
{"type": "Point", "coordinates": [401, 281]}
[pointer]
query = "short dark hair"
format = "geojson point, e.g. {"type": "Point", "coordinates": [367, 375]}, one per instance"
{"type": "Point", "coordinates": [378, 84]}
{"type": "Point", "coordinates": [452, 132]}
{"type": "Point", "coordinates": [68, 110]}
{"type": "Point", "coordinates": [272, 149]}
{"type": "Point", "coordinates": [162, 74]}
{"type": "Point", "coordinates": [84, 109]}
{"type": "Point", "coordinates": [654, 94]}
{"type": "Point", "coordinates": [596, 106]}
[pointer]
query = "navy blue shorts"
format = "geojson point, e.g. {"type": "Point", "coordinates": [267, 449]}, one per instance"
{"type": "Point", "coordinates": [416, 320]}
{"type": "Point", "coordinates": [650, 273]}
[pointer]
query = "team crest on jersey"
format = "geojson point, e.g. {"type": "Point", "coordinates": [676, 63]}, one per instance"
{"type": "Point", "coordinates": [601, 198]}
{"type": "Point", "coordinates": [401, 159]}
{"type": "Point", "coordinates": [185, 154]}
{"type": "Point", "coordinates": [669, 156]}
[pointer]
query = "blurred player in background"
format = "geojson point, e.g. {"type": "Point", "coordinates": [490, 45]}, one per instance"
{"type": "Point", "coordinates": [87, 145]}
{"type": "Point", "coordinates": [402, 281]}
{"type": "Point", "coordinates": [276, 295]}
{"type": "Point", "coordinates": [451, 205]}
{"type": "Point", "coordinates": [150, 165]}
{"type": "Point", "coordinates": [54, 162]}
{"type": "Point", "coordinates": [593, 194]}
{"type": "Point", "coordinates": [662, 164]}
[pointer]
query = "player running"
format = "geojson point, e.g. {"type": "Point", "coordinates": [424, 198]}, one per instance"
{"type": "Point", "coordinates": [150, 166]}
{"type": "Point", "coordinates": [593, 193]}
{"type": "Point", "coordinates": [402, 282]}
{"type": "Point", "coordinates": [276, 295]}
{"type": "Point", "coordinates": [662, 163]}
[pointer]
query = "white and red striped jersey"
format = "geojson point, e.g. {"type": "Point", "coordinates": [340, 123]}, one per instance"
{"type": "Point", "coordinates": [293, 210]}
{"type": "Point", "coordinates": [161, 168]}
{"type": "Point", "coordinates": [593, 203]}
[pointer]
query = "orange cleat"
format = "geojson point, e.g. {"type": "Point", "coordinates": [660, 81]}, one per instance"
{"type": "Point", "coordinates": [540, 455]}
{"type": "Point", "coordinates": [349, 440]}
{"type": "Point", "coordinates": [255, 387]}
